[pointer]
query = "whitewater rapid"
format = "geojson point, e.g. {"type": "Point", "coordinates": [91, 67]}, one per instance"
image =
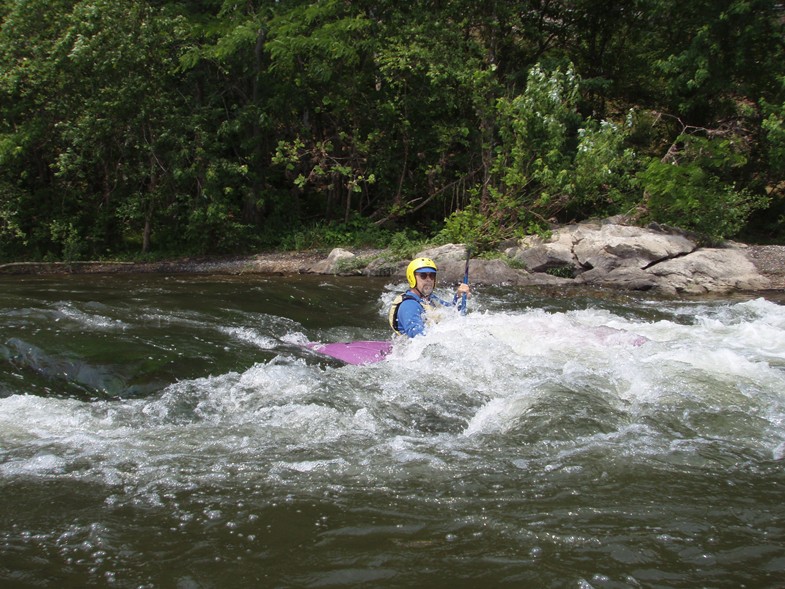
{"type": "Point", "coordinates": [572, 435]}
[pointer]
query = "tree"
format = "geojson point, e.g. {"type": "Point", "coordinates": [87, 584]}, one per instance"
{"type": "Point", "coordinates": [692, 185]}
{"type": "Point", "coordinates": [29, 87]}
{"type": "Point", "coordinates": [705, 54]}
{"type": "Point", "coordinates": [191, 127]}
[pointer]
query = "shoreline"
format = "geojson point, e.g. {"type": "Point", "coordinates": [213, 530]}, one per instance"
{"type": "Point", "coordinates": [272, 263]}
{"type": "Point", "coordinates": [769, 260]}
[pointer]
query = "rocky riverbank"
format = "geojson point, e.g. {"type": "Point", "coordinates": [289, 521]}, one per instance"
{"type": "Point", "coordinates": [602, 254]}
{"type": "Point", "coordinates": [599, 255]}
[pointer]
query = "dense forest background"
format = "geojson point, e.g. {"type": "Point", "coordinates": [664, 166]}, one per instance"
{"type": "Point", "coordinates": [134, 128]}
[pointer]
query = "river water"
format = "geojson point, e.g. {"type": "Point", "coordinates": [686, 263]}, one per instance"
{"type": "Point", "coordinates": [171, 431]}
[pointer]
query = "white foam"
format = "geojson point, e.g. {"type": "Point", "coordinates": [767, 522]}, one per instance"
{"type": "Point", "coordinates": [250, 336]}
{"type": "Point", "coordinates": [93, 321]}
{"type": "Point", "coordinates": [433, 400]}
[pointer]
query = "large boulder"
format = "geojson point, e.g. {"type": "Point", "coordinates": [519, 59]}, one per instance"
{"type": "Point", "coordinates": [624, 277]}
{"type": "Point", "coordinates": [636, 258]}
{"type": "Point", "coordinates": [600, 247]}
{"type": "Point", "coordinates": [337, 259]}
{"type": "Point", "coordinates": [540, 255]}
{"type": "Point", "coordinates": [449, 258]}
{"type": "Point", "coordinates": [612, 246]}
{"type": "Point", "coordinates": [710, 271]}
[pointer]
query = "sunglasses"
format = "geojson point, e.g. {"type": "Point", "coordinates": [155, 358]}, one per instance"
{"type": "Point", "coordinates": [426, 275]}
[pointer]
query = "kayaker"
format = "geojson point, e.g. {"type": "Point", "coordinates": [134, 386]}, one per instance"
{"type": "Point", "coordinates": [411, 310]}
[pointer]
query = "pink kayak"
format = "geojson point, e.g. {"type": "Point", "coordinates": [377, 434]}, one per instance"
{"type": "Point", "coordinates": [359, 352]}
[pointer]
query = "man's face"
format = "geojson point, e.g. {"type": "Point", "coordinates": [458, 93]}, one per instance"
{"type": "Point", "coordinates": [425, 282]}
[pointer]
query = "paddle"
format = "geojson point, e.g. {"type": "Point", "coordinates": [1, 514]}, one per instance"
{"type": "Point", "coordinates": [465, 280]}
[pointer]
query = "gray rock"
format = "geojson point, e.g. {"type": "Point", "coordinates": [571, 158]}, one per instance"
{"type": "Point", "coordinates": [599, 254]}
{"type": "Point", "coordinates": [612, 246]}
{"type": "Point", "coordinates": [383, 266]}
{"type": "Point", "coordinates": [450, 259]}
{"type": "Point", "coordinates": [450, 252]}
{"type": "Point", "coordinates": [538, 255]}
{"type": "Point", "coordinates": [623, 277]}
{"type": "Point", "coordinates": [332, 264]}
{"type": "Point", "coordinates": [710, 271]}
{"type": "Point", "coordinates": [484, 272]}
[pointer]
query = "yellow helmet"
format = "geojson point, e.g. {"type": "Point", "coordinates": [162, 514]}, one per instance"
{"type": "Point", "coordinates": [419, 265]}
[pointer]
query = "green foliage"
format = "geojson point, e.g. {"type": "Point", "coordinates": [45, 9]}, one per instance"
{"type": "Point", "coordinates": [200, 127]}
{"type": "Point", "coordinates": [693, 193]}
{"type": "Point", "coordinates": [358, 232]}
{"type": "Point", "coordinates": [352, 265]}
{"type": "Point", "coordinates": [465, 226]}
{"type": "Point", "coordinates": [12, 238]}
{"type": "Point", "coordinates": [554, 164]}
{"type": "Point", "coordinates": [406, 244]}
{"type": "Point", "coordinates": [515, 263]}
{"type": "Point", "coordinates": [561, 271]}
{"type": "Point", "coordinates": [319, 166]}
{"type": "Point", "coordinates": [481, 232]}
{"type": "Point", "coordinates": [536, 131]}
{"type": "Point", "coordinates": [215, 229]}
{"type": "Point", "coordinates": [604, 170]}
{"type": "Point", "coordinates": [66, 236]}
{"type": "Point", "coordinates": [705, 53]}
{"type": "Point", "coordinates": [773, 126]}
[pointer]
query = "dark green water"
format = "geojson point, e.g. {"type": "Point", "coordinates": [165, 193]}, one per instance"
{"type": "Point", "coordinates": [172, 432]}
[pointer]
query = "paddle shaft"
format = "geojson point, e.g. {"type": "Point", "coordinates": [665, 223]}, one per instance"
{"type": "Point", "coordinates": [465, 281]}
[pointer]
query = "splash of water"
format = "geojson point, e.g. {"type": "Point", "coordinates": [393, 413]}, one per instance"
{"type": "Point", "coordinates": [572, 436]}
